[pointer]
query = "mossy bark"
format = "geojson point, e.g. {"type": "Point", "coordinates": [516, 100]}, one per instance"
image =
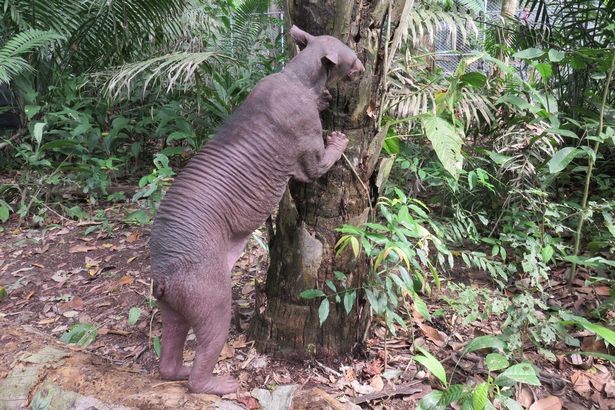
{"type": "Point", "coordinates": [302, 249]}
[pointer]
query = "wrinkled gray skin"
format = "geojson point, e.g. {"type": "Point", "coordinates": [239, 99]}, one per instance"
{"type": "Point", "coordinates": [228, 190]}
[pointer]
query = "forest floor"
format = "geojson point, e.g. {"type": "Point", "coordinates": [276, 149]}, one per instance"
{"type": "Point", "coordinates": [58, 275]}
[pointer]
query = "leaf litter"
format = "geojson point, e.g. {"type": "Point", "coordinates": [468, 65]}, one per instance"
{"type": "Point", "coordinates": [56, 278]}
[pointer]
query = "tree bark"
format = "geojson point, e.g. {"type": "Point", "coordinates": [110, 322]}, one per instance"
{"type": "Point", "coordinates": [509, 8]}
{"type": "Point", "coordinates": [302, 248]}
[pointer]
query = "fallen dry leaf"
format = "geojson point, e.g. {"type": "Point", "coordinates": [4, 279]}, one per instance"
{"type": "Point", "coordinates": [437, 337]}
{"type": "Point", "coordinates": [124, 280]}
{"type": "Point", "coordinates": [377, 383]}
{"type": "Point", "coordinates": [81, 248]}
{"type": "Point", "coordinates": [228, 352]}
{"type": "Point", "coordinates": [609, 389]}
{"type": "Point", "coordinates": [525, 397]}
{"type": "Point", "coordinates": [133, 236]}
{"type": "Point", "coordinates": [580, 383]}
{"type": "Point", "coordinates": [373, 368]}
{"type": "Point", "coordinates": [598, 379]}
{"type": "Point", "coordinates": [548, 403]}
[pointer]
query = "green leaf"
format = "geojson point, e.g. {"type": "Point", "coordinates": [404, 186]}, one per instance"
{"type": "Point", "coordinates": [37, 131]}
{"type": "Point", "coordinates": [562, 132]}
{"type": "Point", "coordinates": [555, 56]}
{"type": "Point", "coordinates": [323, 311]}
{"type": "Point", "coordinates": [607, 334]}
{"type": "Point", "coordinates": [80, 333]}
{"type": "Point", "coordinates": [480, 396]}
{"type": "Point", "coordinates": [392, 145]}
{"type": "Point", "coordinates": [4, 212]}
{"type": "Point", "coordinates": [545, 70]}
{"type": "Point", "coordinates": [432, 364]}
{"type": "Point", "coordinates": [474, 79]}
{"type": "Point", "coordinates": [591, 354]}
{"type": "Point", "coordinates": [431, 401]}
{"type": "Point", "coordinates": [446, 141]}
{"type": "Point", "coordinates": [312, 293]}
{"type": "Point", "coordinates": [547, 253]}
{"type": "Point", "coordinates": [420, 305]}
{"type": "Point", "coordinates": [133, 315]}
{"type": "Point", "coordinates": [496, 361]}
{"type": "Point", "coordinates": [3, 293]}
{"type": "Point", "coordinates": [341, 276]}
{"type": "Point", "coordinates": [484, 342]}
{"type": "Point", "coordinates": [349, 298]}
{"type": "Point", "coordinates": [509, 403]}
{"type": "Point", "coordinates": [529, 53]}
{"type": "Point", "coordinates": [452, 394]}
{"type": "Point", "coordinates": [156, 344]}
{"type": "Point", "coordinates": [562, 158]}
{"type": "Point", "coordinates": [330, 285]}
{"type": "Point", "coordinates": [138, 217]}
{"type": "Point", "coordinates": [518, 373]}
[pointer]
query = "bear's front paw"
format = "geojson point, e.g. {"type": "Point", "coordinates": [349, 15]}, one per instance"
{"type": "Point", "coordinates": [337, 140]}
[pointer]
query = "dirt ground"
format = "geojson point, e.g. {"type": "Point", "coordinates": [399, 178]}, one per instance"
{"type": "Point", "coordinates": [57, 276]}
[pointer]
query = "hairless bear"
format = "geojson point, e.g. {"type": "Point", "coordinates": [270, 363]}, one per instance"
{"type": "Point", "coordinates": [228, 190]}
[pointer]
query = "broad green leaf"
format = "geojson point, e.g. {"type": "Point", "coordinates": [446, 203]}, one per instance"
{"type": "Point", "coordinates": [480, 396]}
{"type": "Point", "coordinates": [133, 315]}
{"type": "Point", "coordinates": [515, 101]}
{"type": "Point", "coordinates": [349, 299]}
{"type": "Point", "coordinates": [341, 276]}
{"type": "Point", "coordinates": [156, 344]}
{"type": "Point", "coordinates": [4, 212]}
{"type": "Point", "coordinates": [518, 373]}
{"type": "Point", "coordinates": [474, 79]}
{"type": "Point", "coordinates": [3, 293]}
{"type": "Point", "coordinates": [323, 311]}
{"type": "Point", "coordinates": [80, 333]}
{"type": "Point", "coordinates": [355, 246]}
{"type": "Point", "coordinates": [547, 253]}
{"type": "Point", "coordinates": [446, 141]}
{"type": "Point", "coordinates": [420, 306]}
{"type": "Point", "coordinates": [484, 342]}
{"type": "Point", "coordinates": [562, 158]}
{"type": "Point", "coordinates": [330, 285]}
{"type": "Point", "coordinates": [607, 334]}
{"type": "Point", "coordinates": [312, 293]}
{"type": "Point", "coordinates": [529, 53]}
{"type": "Point", "coordinates": [496, 361]}
{"type": "Point", "coordinates": [432, 364]}
{"type": "Point", "coordinates": [37, 131]}
{"type": "Point", "coordinates": [545, 70]}
{"type": "Point", "coordinates": [555, 56]}
{"type": "Point", "coordinates": [600, 355]}
{"type": "Point", "coordinates": [562, 132]}
{"type": "Point", "coordinates": [392, 145]}
{"type": "Point", "coordinates": [509, 403]}
{"type": "Point", "coordinates": [608, 221]}
{"type": "Point", "coordinates": [138, 217]}
{"type": "Point", "coordinates": [431, 401]}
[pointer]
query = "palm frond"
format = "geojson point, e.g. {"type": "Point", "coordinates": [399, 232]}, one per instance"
{"type": "Point", "coordinates": [171, 70]}
{"type": "Point", "coordinates": [99, 32]}
{"type": "Point", "coordinates": [12, 62]}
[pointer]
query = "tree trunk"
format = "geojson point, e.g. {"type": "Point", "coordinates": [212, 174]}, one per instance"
{"type": "Point", "coordinates": [302, 248]}
{"type": "Point", "coordinates": [509, 8]}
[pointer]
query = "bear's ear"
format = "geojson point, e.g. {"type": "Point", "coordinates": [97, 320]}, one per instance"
{"type": "Point", "coordinates": [300, 37]}
{"type": "Point", "coordinates": [329, 60]}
